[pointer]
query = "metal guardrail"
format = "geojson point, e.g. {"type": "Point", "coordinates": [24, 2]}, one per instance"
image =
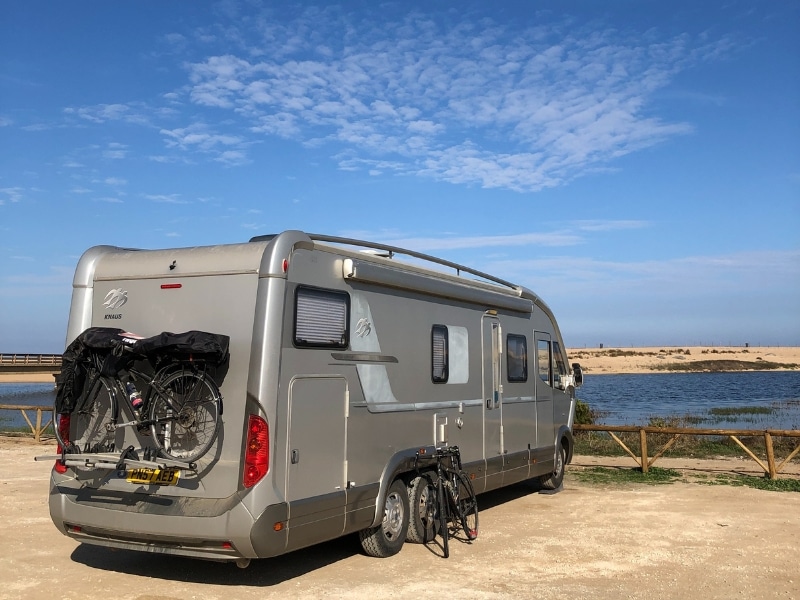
{"type": "Point", "coordinates": [37, 429]}
{"type": "Point", "coordinates": [37, 360]}
{"type": "Point", "coordinates": [771, 469]}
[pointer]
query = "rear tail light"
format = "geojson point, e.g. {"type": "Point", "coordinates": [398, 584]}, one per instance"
{"type": "Point", "coordinates": [63, 433]}
{"type": "Point", "coordinates": [256, 451]}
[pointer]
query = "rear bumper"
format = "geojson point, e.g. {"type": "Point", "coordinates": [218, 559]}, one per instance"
{"type": "Point", "coordinates": [228, 536]}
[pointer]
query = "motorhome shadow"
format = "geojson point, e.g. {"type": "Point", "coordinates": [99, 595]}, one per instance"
{"type": "Point", "coordinates": [346, 360]}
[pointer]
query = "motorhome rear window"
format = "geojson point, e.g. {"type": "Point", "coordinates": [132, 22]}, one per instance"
{"type": "Point", "coordinates": [321, 318]}
{"type": "Point", "coordinates": [517, 358]}
{"type": "Point", "coordinates": [439, 351]}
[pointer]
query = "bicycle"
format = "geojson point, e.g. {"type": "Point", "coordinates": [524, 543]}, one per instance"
{"type": "Point", "coordinates": [181, 405]}
{"type": "Point", "coordinates": [455, 503]}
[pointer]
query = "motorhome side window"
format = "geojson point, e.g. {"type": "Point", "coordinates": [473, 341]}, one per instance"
{"type": "Point", "coordinates": [543, 360]}
{"type": "Point", "coordinates": [559, 367]}
{"type": "Point", "coordinates": [321, 318]}
{"type": "Point", "coordinates": [517, 358]}
{"type": "Point", "coordinates": [439, 354]}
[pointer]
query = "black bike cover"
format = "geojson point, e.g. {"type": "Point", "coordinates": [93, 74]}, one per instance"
{"type": "Point", "coordinates": [119, 348]}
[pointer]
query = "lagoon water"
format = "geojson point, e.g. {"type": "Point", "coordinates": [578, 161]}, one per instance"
{"type": "Point", "coordinates": [620, 399]}
{"type": "Point", "coordinates": [634, 399]}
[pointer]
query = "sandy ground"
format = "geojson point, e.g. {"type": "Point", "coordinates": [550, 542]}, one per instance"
{"type": "Point", "coordinates": [684, 540]}
{"type": "Point", "coordinates": [597, 361]}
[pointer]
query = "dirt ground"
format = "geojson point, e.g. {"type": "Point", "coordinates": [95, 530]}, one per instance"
{"type": "Point", "coordinates": [683, 540]}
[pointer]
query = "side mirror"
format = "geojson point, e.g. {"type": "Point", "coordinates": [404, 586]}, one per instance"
{"type": "Point", "coordinates": [578, 373]}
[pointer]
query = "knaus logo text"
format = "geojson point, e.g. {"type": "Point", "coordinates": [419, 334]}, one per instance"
{"type": "Point", "coordinates": [115, 299]}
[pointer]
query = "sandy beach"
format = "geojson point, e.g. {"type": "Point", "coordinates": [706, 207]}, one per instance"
{"type": "Point", "coordinates": [26, 378]}
{"type": "Point", "coordinates": [598, 361]}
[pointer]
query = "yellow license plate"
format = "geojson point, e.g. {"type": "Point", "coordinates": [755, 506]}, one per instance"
{"type": "Point", "coordinates": [153, 476]}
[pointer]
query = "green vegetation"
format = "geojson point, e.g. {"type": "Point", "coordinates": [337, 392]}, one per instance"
{"type": "Point", "coordinates": [658, 476]}
{"type": "Point", "coordinates": [688, 446]}
{"type": "Point", "coordinates": [760, 483]}
{"type": "Point", "coordinates": [606, 476]}
{"type": "Point", "coordinates": [715, 366]}
{"type": "Point", "coordinates": [584, 414]}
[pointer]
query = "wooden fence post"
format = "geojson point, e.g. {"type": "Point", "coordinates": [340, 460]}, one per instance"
{"type": "Point", "coordinates": [773, 472]}
{"type": "Point", "coordinates": [643, 444]}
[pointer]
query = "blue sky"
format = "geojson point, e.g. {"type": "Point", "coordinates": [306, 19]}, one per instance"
{"type": "Point", "coordinates": [635, 163]}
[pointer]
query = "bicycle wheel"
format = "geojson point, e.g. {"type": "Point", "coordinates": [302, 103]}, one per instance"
{"type": "Point", "coordinates": [89, 428]}
{"type": "Point", "coordinates": [185, 410]}
{"type": "Point", "coordinates": [467, 505]}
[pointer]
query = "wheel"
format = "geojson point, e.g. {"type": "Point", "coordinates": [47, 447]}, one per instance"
{"type": "Point", "coordinates": [553, 481]}
{"type": "Point", "coordinates": [89, 428]}
{"type": "Point", "coordinates": [422, 525]}
{"type": "Point", "coordinates": [388, 537]}
{"type": "Point", "coordinates": [467, 507]}
{"type": "Point", "coordinates": [185, 415]}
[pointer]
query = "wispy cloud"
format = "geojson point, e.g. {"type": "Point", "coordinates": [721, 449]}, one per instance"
{"type": "Point", "coordinates": [225, 148]}
{"type": "Point", "coordinates": [166, 198]}
{"type": "Point", "coordinates": [468, 103]}
{"type": "Point", "coordinates": [691, 273]}
{"type": "Point", "coordinates": [458, 99]}
{"type": "Point", "coordinates": [11, 194]}
{"type": "Point", "coordinates": [488, 241]}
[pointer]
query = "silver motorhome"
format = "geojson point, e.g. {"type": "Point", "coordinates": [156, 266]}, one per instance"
{"type": "Point", "coordinates": [346, 361]}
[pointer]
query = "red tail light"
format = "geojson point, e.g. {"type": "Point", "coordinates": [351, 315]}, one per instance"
{"type": "Point", "coordinates": [63, 433]}
{"type": "Point", "coordinates": [256, 452]}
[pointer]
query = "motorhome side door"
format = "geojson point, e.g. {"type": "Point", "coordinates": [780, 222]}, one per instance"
{"type": "Point", "coordinates": [545, 434]}
{"type": "Point", "coordinates": [317, 469]}
{"type": "Point", "coordinates": [492, 349]}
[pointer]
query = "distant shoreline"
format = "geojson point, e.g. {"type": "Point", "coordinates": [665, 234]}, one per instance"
{"type": "Point", "coordinates": [27, 378]}
{"type": "Point", "coordinates": [688, 359]}
{"type": "Point", "coordinates": [619, 361]}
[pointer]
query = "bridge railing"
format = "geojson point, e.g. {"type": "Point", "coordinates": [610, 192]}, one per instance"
{"type": "Point", "coordinates": [38, 360]}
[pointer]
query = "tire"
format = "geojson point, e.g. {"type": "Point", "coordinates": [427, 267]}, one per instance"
{"type": "Point", "coordinates": [467, 507]}
{"type": "Point", "coordinates": [388, 537]}
{"type": "Point", "coordinates": [423, 520]}
{"type": "Point", "coordinates": [185, 415]}
{"type": "Point", "coordinates": [91, 427]}
{"type": "Point", "coordinates": [553, 481]}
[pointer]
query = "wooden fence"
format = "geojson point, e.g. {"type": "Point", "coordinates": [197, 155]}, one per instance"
{"type": "Point", "coordinates": [37, 429]}
{"type": "Point", "coordinates": [772, 468]}
{"type": "Point", "coordinates": [645, 461]}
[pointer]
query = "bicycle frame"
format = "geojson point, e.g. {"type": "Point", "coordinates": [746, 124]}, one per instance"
{"type": "Point", "coordinates": [449, 480]}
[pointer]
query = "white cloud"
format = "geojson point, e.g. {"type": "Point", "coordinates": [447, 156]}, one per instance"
{"type": "Point", "coordinates": [225, 148]}
{"type": "Point", "coordinates": [469, 103]}
{"type": "Point", "coordinates": [12, 194]}
{"type": "Point", "coordinates": [445, 242]}
{"type": "Point", "coordinates": [166, 198]}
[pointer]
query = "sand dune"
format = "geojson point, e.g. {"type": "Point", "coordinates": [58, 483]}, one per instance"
{"type": "Point", "coordinates": [668, 359]}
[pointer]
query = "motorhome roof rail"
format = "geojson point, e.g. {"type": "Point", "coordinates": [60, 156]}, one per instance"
{"type": "Point", "coordinates": [397, 250]}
